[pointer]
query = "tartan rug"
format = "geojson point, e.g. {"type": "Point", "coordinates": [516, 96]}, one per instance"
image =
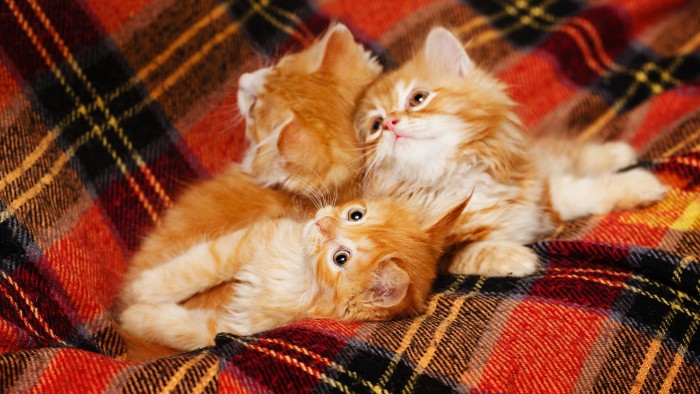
{"type": "Point", "coordinates": [107, 109]}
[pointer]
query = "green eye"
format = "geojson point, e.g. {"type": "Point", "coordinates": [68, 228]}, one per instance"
{"type": "Point", "coordinates": [418, 97]}
{"type": "Point", "coordinates": [341, 257]}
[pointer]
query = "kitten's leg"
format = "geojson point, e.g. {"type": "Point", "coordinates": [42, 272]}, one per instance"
{"type": "Point", "coordinates": [170, 325]}
{"type": "Point", "coordinates": [574, 197]}
{"type": "Point", "coordinates": [597, 159]}
{"type": "Point", "coordinates": [494, 258]}
{"type": "Point", "coordinates": [199, 268]}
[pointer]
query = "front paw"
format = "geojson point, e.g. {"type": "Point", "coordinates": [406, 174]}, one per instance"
{"type": "Point", "coordinates": [148, 289]}
{"type": "Point", "coordinates": [494, 259]}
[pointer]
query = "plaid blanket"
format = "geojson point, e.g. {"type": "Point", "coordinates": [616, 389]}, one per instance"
{"type": "Point", "coordinates": [107, 108]}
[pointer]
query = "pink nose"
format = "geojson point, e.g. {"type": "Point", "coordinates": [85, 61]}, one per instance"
{"type": "Point", "coordinates": [390, 123]}
{"type": "Point", "coordinates": [324, 225]}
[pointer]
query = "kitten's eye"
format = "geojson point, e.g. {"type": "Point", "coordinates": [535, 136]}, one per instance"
{"type": "Point", "coordinates": [341, 257]}
{"type": "Point", "coordinates": [356, 214]}
{"type": "Point", "coordinates": [418, 97]}
{"type": "Point", "coordinates": [376, 124]}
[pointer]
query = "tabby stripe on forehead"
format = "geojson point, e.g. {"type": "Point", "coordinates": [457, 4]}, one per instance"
{"type": "Point", "coordinates": [295, 363]}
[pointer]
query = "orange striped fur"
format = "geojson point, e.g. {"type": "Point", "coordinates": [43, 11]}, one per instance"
{"type": "Point", "coordinates": [363, 260]}
{"type": "Point", "coordinates": [439, 128]}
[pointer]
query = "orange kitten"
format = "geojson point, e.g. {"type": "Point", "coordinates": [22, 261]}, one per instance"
{"type": "Point", "coordinates": [364, 260]}
{"type": "Point", "coordinates": [299, 122]}
{"type": "Point", "coordinates": [439, 127]}
{"type": "Point", "coordinates": [299, 116]}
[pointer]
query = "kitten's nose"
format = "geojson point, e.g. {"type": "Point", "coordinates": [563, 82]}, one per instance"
{"type": "Point", "coordinates": [325, 225]}
{"type": "Point", "coordinates": [390, 123]}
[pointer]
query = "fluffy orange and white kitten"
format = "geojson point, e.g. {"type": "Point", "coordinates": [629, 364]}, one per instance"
{"type": "Point", "coordinates": [299, 121]}
{"type": "Point", "coordinates": [299, 116]}
{"type": "Point", "coordinates": [438, 127]}
{"type": "Point", "coordinates": [363, 260]}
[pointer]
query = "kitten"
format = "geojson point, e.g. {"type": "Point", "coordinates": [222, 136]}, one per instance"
{"type": "Point", "coordinates": [363, 260]}
{"type": "Point", "coordinates": [304, 154]}
{"type": "Point", "coordinates": [299, 121]}
{"type": "Point", "coordinates": [439, 127]}
{"type": "Point", "coordinates": [299, 116]}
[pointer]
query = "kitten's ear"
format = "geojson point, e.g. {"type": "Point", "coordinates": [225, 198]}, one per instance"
{"type": "Point", "coordinates": [389, 286]}
{"type": "Point", "coordinates": [249, 87]}
{"type": "Point", "coordinates": [445, 53]}
{"type": "Point", "coordinates": [301, 149]}
{"type": "Point", "coordinates": [443, 226]}
{"type": "Point", "coordinates": [337, 53]}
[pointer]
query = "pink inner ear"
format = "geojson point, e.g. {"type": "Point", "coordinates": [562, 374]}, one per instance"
{"type": "Point", "coordinates": [390, 287]}
{"type": "Point", "coordinates": [446, 54]}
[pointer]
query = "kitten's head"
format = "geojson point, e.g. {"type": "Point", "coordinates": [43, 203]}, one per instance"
{"type": "Point", "coordinates": [436, 107]}
{"type": "Point", "coordinates": [299, 114]}
{"type": "Point", "coordinates": [377, 258]}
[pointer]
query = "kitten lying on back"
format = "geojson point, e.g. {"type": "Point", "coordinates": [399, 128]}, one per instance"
{"type": "Point", "coordinates": [298, 156]}
{"type": "Point", "coordinates": [304, 152]}
{"type": "Point", "coordinates": [364, 260]}
{"type": "Point", "coordinates": [438, 127]}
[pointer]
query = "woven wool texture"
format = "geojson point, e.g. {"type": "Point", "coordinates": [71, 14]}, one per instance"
{"type": "Point", "coordinates": [108, 108]}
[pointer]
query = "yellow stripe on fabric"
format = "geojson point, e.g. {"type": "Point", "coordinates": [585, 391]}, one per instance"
{"type": "Point", "coordinates": [676, 293]}
{"type": "Point", "coordinates": [413, 329]}
{"type": "Point", "coordinates": [59, 76]}
{"type": "Point", "coordinates": [682, 144]}
{"type": "Point", "coordinates": [31, 307]}
{"type": "Point", "coordinates": [327, 361]}
{"type": "Point", "coordinates": [259, 7]}
{"type": "Point", "coordinates": [476, 22]}
{"type": "Point", "coordinates": [206, 379]}
{"type": "Point", "coordinates": [652, 352]}
{"type": "Point", "coordinates": [629, 288]}
{"type": "Point", "coordinates": [689, 218]}
{"type": "Point", "coordinates": [295, 363]}
{"type": "Point", "coordinates": [141, 75]}
{"type": "Point", "coordinates": [691, 45]}
{"type": "Point", "coordinates": [439, 334]}
{"type": "Point", "coordinates": [641, 77]}
{"type": "Point", "coordinates": [19, 311]}
{"type": "Point", "coordinates": [682, 265]}
{"type": "Point", "coordinates": [176, 378]}
{"type": "Point", "coordinates": [679, 357]}
{"type": "Point", "coordinates": [100, 103]}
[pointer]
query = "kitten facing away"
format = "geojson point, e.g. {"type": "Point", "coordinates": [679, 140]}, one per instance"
{"type": "Point", "coordinates": [363, 260]}
{"type": "Point", "coordinates": [299, 117]}
{"type": "Point", "coordinates": [303, 150]}
{"type": "Point", "coordinates": [438, 127]}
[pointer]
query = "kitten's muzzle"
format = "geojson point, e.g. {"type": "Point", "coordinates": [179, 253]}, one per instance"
{"type": "Point", "coordinates": [326, 226]}
{"type": "Point", "coordinates": [390, 123]}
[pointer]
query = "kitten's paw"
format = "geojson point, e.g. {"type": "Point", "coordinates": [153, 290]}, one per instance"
{"type": "Point", "coordinates": [637, 188]}
{"type": "Point", "coordinates": [169, 324]}
{"type": "Point", "coordinates": [606, 158]}
{"type": "Point", "coordinates": [148, 288]}
{"type": "Point", "coordinates": [494, 259]}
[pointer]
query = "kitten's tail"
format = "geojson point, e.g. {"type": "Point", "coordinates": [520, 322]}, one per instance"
{"type": "Point", "coordinates": [138, 349]}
